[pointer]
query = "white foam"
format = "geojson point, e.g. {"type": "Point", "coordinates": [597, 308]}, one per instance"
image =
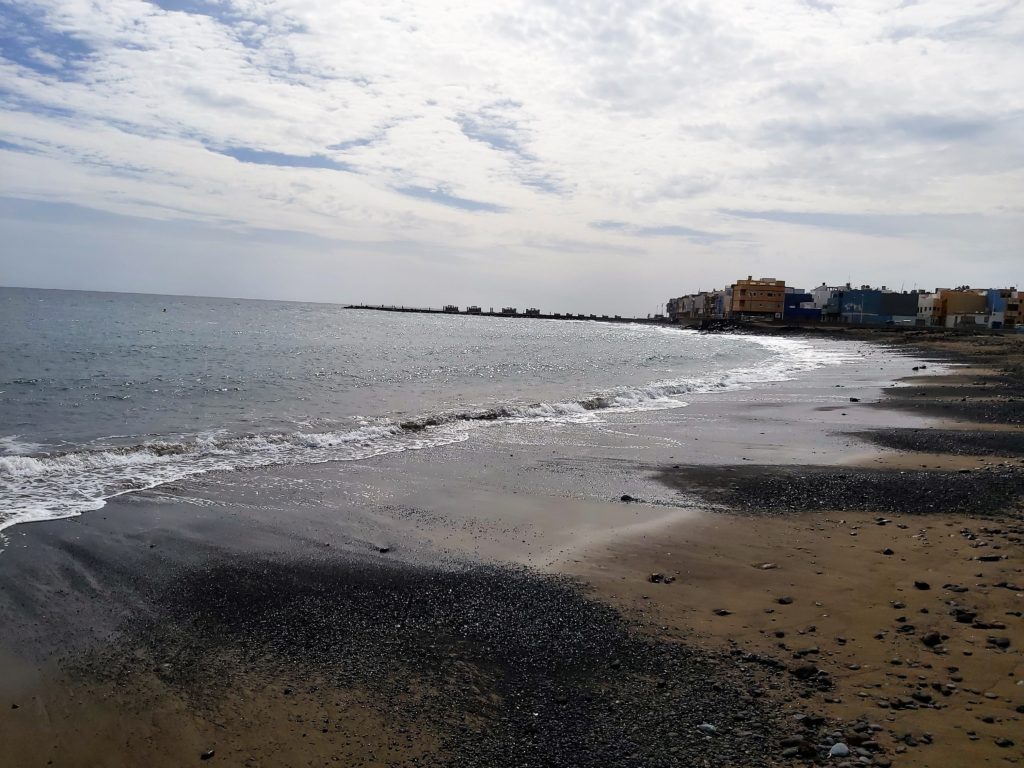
{"type": "Point", "coordinates": [13, 445]}
{"type": "Point", "coordinates": [44, 487]}
{"type": "Point", "coordinates": [63, 485]}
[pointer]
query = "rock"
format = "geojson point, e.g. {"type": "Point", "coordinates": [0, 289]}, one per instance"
{"type": "Point", "coordinates": [768, 566]}
{"type": "Point", "coordinates": [964, 616]}
{"type": "Point", "coordinates": [922, 585]}
{"type": "Point", "coordinates": [887, 551]}
{"type": "Point", "coordinates": [14, 706]}
{"type": "Point", "coordinates": [989, 558]}
{"type": "Point", "coordinates": [854, 399]}
{"type": "Point", "coordinates": [626, 497]}
{"type": "Point", "coordinates": [722, 612]}
{"type": "Point", "coordinates": [656, 578]}
{"type": "Point", "coordinates": [804, 671]}
{"type": "Point", "coordinates": [839, 750]}
{"type": "Point", "coordinates": [383, 550]}
{"type": "Point", "coordinates": [999, 642]}
{"type": "Point", "coordinates": [784, 600]}
{"type": "Point", "coordinates": [206, 755]}
{"type": "Point", "coordinates": [931, 639]}
{"type": "Point", "coordinates": [1004, 742]}
{"type": "Point", "coordinates": [707, 728]}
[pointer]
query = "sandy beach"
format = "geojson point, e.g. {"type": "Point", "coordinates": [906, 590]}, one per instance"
{"type": "Point", "coordinates": [756, 579]}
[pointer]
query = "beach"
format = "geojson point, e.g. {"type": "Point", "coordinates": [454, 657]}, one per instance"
{"type": "Point", "coordinates": [747, 580]}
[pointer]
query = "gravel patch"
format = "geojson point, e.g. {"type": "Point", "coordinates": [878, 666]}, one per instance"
{"type": "Point", "coordinates": [959, 442]}
{"type": "Point", "coordinates": [774, 490]}
{"type": "Point", "coordinates": [521, 669]}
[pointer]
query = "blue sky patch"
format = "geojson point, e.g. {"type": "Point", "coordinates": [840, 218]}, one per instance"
{"type": "Point", "coordinates": [666, 230]}
{"type": "Point", "coordinates": [284, 160]}
{"type": "Point", "coordinates": [441, 197]}
{"type": "Point", "coordinates": [27, 40]}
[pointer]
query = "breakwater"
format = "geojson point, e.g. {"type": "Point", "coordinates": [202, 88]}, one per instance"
{"type": "Point", "coordinates": [531, 314]}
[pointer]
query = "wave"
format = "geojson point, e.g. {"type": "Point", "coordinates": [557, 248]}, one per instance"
{"type": "Point", "coordinates": [50, 486]}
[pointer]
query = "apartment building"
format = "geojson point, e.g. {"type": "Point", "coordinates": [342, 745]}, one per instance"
{"type": "Point", "coordinates": [762, 298]}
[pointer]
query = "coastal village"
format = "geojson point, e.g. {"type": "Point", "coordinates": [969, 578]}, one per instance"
{"type": "Point", "coordinates": [769, 299]}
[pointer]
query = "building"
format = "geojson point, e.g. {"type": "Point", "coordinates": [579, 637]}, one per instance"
{"type": "Point", "coordinates": [962, 307]}
{"type": "Point", "coordinates": [693, 306]}
{"type": "Point", "coordinates": [928, 306]}
{"type": "Point", "coordinates": [1003, 305]}
{"type": "Point", "coordinates": [821, 294]}
{"type": "Point", "coordinates": [873, 306]}
{"type": "Point", "coordinates": [763, 298]}
{"type": "Point", "coordinates": [799, 306]}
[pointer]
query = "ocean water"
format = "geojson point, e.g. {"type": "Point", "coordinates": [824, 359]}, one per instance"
{"type": "Point", "coordinates": [102, 394]}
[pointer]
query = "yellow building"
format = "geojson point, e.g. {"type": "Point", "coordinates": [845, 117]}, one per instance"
{"type": "Point", "coordinates": [764, 297]}
{"type": "Point", "coordinates": [961, 303]}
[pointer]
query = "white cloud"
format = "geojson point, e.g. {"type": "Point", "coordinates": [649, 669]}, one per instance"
{"type": "Point", "coordinates": [493, 128]}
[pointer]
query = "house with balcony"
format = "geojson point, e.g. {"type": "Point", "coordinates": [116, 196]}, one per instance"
{"type": "Point", "coordinates": [761, 299]}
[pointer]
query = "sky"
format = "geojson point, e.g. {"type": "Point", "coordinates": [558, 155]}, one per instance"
{"type": "Point", "coordinates": [573, 155]}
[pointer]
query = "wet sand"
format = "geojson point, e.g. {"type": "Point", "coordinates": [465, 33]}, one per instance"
{"type": "Point", "coordinates": [304, 616]}
{"type": "Point", "coordinates": [898, 578]}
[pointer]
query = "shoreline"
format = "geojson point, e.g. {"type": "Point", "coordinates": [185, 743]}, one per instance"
{"type": "Point", "coordinates": [226, 600]}
{"type": "Point", "coordinates": [897, 579]}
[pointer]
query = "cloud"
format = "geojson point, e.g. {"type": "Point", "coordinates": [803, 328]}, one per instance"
{"type": "Point", "coordinates": [929, 226]}
{"type": "Point", "coordinates": [681, 134]}
{"type": "Point", "coordinates": [27, 40]}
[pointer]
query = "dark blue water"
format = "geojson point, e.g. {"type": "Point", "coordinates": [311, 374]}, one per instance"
{"type": "Point", "coordinates": [102, 393]}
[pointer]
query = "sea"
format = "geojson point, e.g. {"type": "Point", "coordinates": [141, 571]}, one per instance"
{"type": "Point", "coordinates": [103, 394]}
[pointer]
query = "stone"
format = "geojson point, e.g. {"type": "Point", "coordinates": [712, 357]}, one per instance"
{"type": "Point", "coordinates": [931, 639]}
{"type": "Point", "coordinates": [784, 600]}
{"type": "Point", "coordinates": [707, 728]}
{"type": "Point", "coordinates": [626, 497]}
{"type": "Point", "coordinates": [922, 585]}
{"type": "Point", "coordinates": [804, 671]}
{"type": "Point", "coordinates": [722, 612]}
{"type": "Point", "coordinates": [839, 750]}
{"type": "Point", "coordinates": [206, 755]}
{"type": "Point", "coordinates": [656, 578]}
{"type": "Point", "coordinates": [1004, 742]}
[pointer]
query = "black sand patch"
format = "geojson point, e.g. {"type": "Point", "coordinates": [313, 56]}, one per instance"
{"type": "Point", "coordinates": [502, 667]}
{"type": "Point", "coordinates": [775, 490]}
{"type": "Point", "coordinates": [960, 442]}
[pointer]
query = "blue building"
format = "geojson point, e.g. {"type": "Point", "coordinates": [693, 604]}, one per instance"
{"type": "Point", "coordinates": [872, 306]}
{"type": "Point", "coordinates": [793, 311]}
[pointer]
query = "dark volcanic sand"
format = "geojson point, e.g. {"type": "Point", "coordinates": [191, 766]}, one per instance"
{"type": "Point", "coordinates": [1006, 410]}
{"type": "Point", "coordinates": [775, 490]}
{"type": "Point", "coordinates": [959, 442]}
{"type": "Point", "coordinates": [499, 667]}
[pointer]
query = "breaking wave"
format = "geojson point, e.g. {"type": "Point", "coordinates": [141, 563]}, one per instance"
{"type": "Point", "coordinates": [40, 486]}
